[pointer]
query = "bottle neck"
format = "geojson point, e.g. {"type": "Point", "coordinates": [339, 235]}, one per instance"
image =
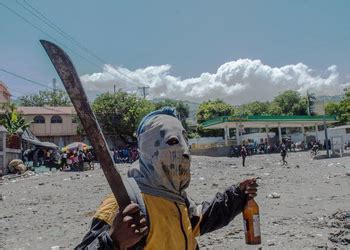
{"type": "Point", "coordinates": [251, 201]}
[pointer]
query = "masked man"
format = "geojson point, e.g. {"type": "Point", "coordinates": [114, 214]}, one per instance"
{"type": "Point", "coordinates": [170, 220]}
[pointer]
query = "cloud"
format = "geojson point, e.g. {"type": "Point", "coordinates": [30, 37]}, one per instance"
{"type": "Point", "coordinates": [235, 82]}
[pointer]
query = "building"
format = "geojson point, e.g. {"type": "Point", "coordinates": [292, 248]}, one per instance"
{"type": "Point", "coordinates": [5, 95]}
{"type": "Point", "coordinates": [260, 122]}
{"type": "Point", "coordinates": [53, 124]}
{"type": "Point", "coordinates": [267, 122]}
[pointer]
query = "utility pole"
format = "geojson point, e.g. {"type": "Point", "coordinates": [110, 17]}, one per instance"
{"type": "Point", "coordinates": [325, 130]}
{"type": "Point", "coordinates": [114, 88]}
{"type": "Point", "coordinates": [54, 91]}
{"type": "Point", "coordinates": [144, 90]}
{"type": "Point", "coordinates": [54, 84]}
{"type": "Point", "coordinates": [308, 102]}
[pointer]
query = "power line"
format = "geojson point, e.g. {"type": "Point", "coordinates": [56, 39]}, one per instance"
{"type": "Point", "coordinates": [61, 44]}
{"type": "Point", "coordinates": [24, 78]}
{"type": "Point", "coordinates": [144, 91]}
{"type": "Point", "coordinates": [51, 24]}
{"type": "Point", "coordinates": [56, 28]}
{"type": "Point", "coordinates": [45, 33]}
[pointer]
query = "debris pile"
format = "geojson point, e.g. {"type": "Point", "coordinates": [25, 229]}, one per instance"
{"type": "Point", "coordinates": [341, 221]}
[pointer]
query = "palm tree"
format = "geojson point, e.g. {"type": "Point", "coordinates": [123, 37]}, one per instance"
{"type": "Point", "coordinates": [12, 120]}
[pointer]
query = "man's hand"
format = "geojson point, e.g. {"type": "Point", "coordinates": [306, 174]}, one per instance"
{"type": "Point", "coordinates": [249, 187]}
{"type": "Point", "coordinates": [128, 227]}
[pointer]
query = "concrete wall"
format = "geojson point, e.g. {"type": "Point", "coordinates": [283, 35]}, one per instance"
{"type": "Point", "coordinates": [257, 136]}
{"type": "Point", "coordinates": [66, 128]}
{"type": "Point", "coordinates": [331, 133]}
{"type": "Point", "coordinates": [206, 140]}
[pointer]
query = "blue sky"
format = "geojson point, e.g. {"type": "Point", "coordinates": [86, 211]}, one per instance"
{"type": "Point", "coordinates": [189, 42]}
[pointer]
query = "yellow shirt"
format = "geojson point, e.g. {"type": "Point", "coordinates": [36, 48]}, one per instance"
{"type": "Point", "coordinates": [170, 226]}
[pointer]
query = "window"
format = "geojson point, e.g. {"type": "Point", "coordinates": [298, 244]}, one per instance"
{"type": "Point", "coordinates": [39, 119]}
{"type": "Point", "coordinates": [56, 119]}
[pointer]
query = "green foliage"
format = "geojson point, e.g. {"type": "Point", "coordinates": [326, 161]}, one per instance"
{"type": "Point", "coordinates": [210, 110]}
{"type": "Point", "coordinates": [288, 103]}
{"type": "Point", "coordinates": [213, 109]}
{"type": "Point", "coordinates": [253, 108]}
{"type": "Point", "coordinates": [53, 98]}
{"type": "Point", "coordinates": [12, 120]}
{"type": "Point", "coordinates": [181, 108]}
{"type": "Point", "coordinates": [344, 108]}
{"type": "Point", "coordinates": [120, 113]}
{"type": "Point", "coordinates": [332, 108]}
{"type": "Point", "coordinates": [275, 109]}
{"type": "Point", "coordinates": [341, 109]}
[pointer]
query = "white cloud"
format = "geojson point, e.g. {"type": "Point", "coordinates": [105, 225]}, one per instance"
{"type": "Point", "coordinates": [235, 82]}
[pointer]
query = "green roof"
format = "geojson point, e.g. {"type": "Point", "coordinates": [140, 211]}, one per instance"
{"type": "Point", "coordinates": [268, 118]}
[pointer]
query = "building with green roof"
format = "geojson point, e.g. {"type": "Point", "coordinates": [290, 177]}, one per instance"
{"type": "Point", "coordinates": [267, 122]}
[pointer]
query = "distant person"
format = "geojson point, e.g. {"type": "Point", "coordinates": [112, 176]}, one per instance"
{"type": "Point", "coordinates": [41, 155]}
{"type": "Point", "coordinates": [284, 154]}
{"type": "Point", "coordinates": [35, 158]}
{"type": "Point", "coordinates": [81, 157]}
{"type": "Point", "coordinates": [25, 156]}
{"type": "Point", "coordinates": [293, 146]}
{"type": "Point", "coordinates": [314, 150]}
{"type": "Point", "coordinates": [244, 155]}
{"type": "Point", "coordinates": [64, 161]}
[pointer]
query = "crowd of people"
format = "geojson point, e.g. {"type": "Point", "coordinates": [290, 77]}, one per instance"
{"type": "Point", "coordinates": [76, 159]}
{"type": "Point", "coordinates": [253, 148]}
{"type": "Point", "coordinates": [64, 160]}
{"type": "Point", "coordinates": [125, 155]}
{"type": "Point", "coordinates": [283, 148]}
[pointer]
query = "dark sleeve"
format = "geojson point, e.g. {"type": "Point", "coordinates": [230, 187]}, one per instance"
{"type": "Point", "coordinates": [222, 209]}
{"type": "Point", "coordinates": [98, 237]}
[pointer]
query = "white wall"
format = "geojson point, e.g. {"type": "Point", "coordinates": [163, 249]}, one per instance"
{"type": "Point", "coordinates": [206, 140]}
{"type": "Point", "coordinates": [257, 136]}
{"type": "Point", "coordinates": [332, 132]}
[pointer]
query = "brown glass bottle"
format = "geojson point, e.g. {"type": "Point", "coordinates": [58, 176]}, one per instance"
{"type": "Point", "coordinates": [251, 223]}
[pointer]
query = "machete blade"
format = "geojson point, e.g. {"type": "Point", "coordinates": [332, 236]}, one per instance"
{"type": "Point", "coordinates": [70, 79]}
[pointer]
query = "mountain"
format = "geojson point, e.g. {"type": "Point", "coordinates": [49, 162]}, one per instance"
{"type": "Point", "coordinates": [326, 99]}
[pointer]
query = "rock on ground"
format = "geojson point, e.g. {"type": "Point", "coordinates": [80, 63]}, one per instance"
{"type": "Point", "coordinates": [41, 211]}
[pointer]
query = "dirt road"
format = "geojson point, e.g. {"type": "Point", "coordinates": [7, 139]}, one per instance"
{"type": "Point", "coordinates": [55, 209]}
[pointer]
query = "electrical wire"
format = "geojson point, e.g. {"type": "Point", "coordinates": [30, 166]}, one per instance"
{"type": "Point", "coordinates": [56, 28]}
{"type": "Point", "coordinates": [47, 34]}
{"type": "Point", "coordinates": [25, 78]}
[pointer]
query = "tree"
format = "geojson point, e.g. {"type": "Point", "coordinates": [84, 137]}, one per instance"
{"type": "Point", "coordinates": [13, 121]}
{"type": "Point", "coordinates": [182, 109]}
{"type": "Point", "coordinates": [341, 109]}
{"type": "Point", "coordinates": [345, 108]}
{"type": "Point", "coordinates": [253, 108]}
{"type": "Point", "coordinates": [210, 110]}
{"type": "Point", "coordinates": [213, 109]}
{"type": "Point", "coordinates": [275, 109]}
{"type": "Point", "coordinates": [54, 98]}
{"type": "Point", "coordinates": [288, 103]}
{"type": "Point", "coordinates": [120, 113]}
{"type": "Point", "coordinates": [332, 108]}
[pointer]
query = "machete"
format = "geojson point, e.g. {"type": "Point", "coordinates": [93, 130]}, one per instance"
{"type": "Point", "coordinates": [70, 79]}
